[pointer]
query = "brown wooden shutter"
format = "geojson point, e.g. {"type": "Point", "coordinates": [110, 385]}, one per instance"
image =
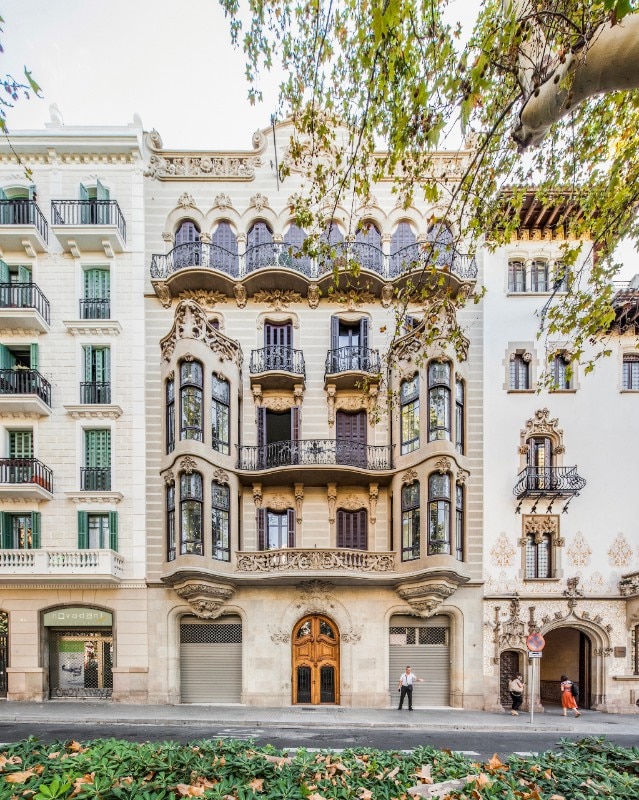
{"type": "Point", "coordinates": [261, 528]}
{"type": "Point", "coordinates": [291, 527]}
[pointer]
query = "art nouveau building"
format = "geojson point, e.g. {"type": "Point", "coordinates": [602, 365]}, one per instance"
{"type": "Point", "coordinates": [262, 494]}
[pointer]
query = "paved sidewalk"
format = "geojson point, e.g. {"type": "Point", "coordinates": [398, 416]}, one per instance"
{"type": "Point", "coordinates": [591, 723]}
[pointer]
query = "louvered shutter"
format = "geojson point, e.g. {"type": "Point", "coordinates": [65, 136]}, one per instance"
{"type": "Point", "coordinates": [334, 333]}
{"type": "Point", "coordinates": [363, 334]}
{"type": "Point", "coordinates": [402, 237]}
{"type": "Point", "coordinates": [113, 530]}
{"type": "Point", "coordinates": [98, 448]}
{"type": "Point", "coordinates": [24, 275]}
{"type": "Point", "coordinates": [84, 193]}
{"type": "Point", "coordinates": [261, 528]}
{"type": "Point", "coordinates": [261, 426]}
{"type": "Point", "coordinates": [88, 364]}
{"type": "Point", "coordinates": [101, 192]}
{"type": "Point", "coordinates": [97, 284]}
{"type": "Point", "coordinates": [33, 356]}
{"type": "Point", "coordinates": [83, 530]}
{"type": "Point", "coordinates": [295, 423]}
{"type": "Point", "coordinates": [290, 514]}
{"type": "Point", "coordinates": [4, 272]}
{"type": "Point", "coordinates": [102, 364]}
{"type": "Point", "coordinates": [35, 530]}
{"type": "Point", "coordinates": [7, 533]}
{"type": "Point", "coordinates": [225, 238]}
{"type": "Point", "coordinates": [7, 359]}
{"type": "Point", "coordinates": [20, 444]}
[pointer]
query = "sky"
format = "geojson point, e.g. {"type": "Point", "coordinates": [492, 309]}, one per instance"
{"type": "Point", "coordinates": [171, 62]}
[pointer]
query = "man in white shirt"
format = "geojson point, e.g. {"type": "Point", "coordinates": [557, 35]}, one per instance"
{"type": "Point", "coordinates": [405, 686]}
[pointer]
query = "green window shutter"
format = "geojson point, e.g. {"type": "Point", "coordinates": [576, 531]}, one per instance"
{"type": "Point", "coordinates": [83, 530]}
{"type": "Point", "coordinates": [84, 193]}
{"type": "Point", "coordinates": [20, 444]}
{"type": "Point", "coordinates": [101, 192]}
{"type": "Point", "coordinates": [7, 359]}
{"type": "Point", "coordinates": [35, 529]}
{"type": "Point", "coordinates": [32, 192]}
{"type": "Point", "coordinates": [33, 348]}
{"type": "Point", "coordinates": [102, 364]}
{"type": "Point", "coordinates": [113, 530]}
{"type": "Point", "coordinates": [4, 272]}
{"type": "Point", "coordinates": [98, 448]}
{"type": "Point", "coordinates": [3, 196]}
{"type": "Point", "coordinates": [88, 363]}
{"type": "Point", "coordinates": [5, 522]}
{"type": "Point", "coordinates": [97, 284]}
{"type": "Point", "coordinates": [24, 275]}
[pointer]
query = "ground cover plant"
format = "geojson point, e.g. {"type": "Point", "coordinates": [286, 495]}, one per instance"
{"type": "Point", "coordinates": [236, 770]}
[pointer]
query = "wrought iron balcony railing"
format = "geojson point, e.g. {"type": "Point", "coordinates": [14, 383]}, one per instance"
{"type": "Point", "coordinates": [24, 295]}
{"type": "Point", "coordinates": [25, 381]}
{"type": "Point", "coordinates": [279, 254]}
{"type": "Point", "coordinates": [352, 359]}
{"type": "Point", "coordinates": [95, 393]}
{"type": "Point", "coordinates": [548, 481]}
{"type": "Point", "coordinates": [24, 212]}
{"type": "Point", "coordinates": [314, 452]}
{"type": "Point", "coordinates": [277, 358]}
{"type": "Point", "coordinates": [294, 559]}
{"type": "Point", "coordinates": [88, 212]}
{"type": "Point", "coordinates": [95, 479]}
{"type": "Point", "coordinates": [95, 308]}
{"type": "Point", "coordinates": [26, 470]}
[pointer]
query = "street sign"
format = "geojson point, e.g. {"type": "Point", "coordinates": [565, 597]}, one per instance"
{"type": "Point", "coordinates": [535, 655]}
{"type": "Point", "coordinates": [535, 642]}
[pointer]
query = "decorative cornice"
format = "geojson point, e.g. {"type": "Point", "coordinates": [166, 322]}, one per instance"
{"type": "Point", "coordinates": [93, 411]}
{"type": "Point", "coordinates": [94, 327]}
{"type": "Point", "coordinates": [629, 585]}
{"type": "Point", "coordinates": [426, 597]}
{"type": "Point", "coordinates": [277, 299]}
{"type": "Point", "coordinates": [206, 599]}
{"type": "Point", "coordinates": [204, 298]}
{"type": "Point", "coordinates": [94, 497]}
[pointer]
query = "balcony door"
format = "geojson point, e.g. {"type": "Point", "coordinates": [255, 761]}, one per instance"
{"type": "Point", "coordinates": [351, 438]}
{"type": "Point", "coordinates": [540, 461]}
{"type": "Point", "coordinates": [278, 344]}
{"type": "Point", "coordinates": [316, 661]}
{"type": "Point", "coordinates": [349, 345]}
{"type": "Point", "coordinates": [277, 436]}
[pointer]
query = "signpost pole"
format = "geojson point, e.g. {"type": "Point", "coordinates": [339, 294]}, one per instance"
{"type": "Point", "coordinates": [533, 683]}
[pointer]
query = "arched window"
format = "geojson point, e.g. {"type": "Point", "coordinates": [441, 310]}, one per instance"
{"type": "Point", "coordinates": [368, 246]}
{"type": "Point", "coordinates": [538, 555]}
{"type": "Point", "coordinates": [459, 415]}
{"type": "Point", "coordinates": [409, 414]}
{"type": "Point", "coordinates": [259, 246]}
{"type": "Point", "coordinates": [191, 514]}
{"type": "Point", "coordinates": [331, 245]}
{"type": "Point", "coordinates": [439, 514]}
{"type": "Point", "coordinates": [292, 254]}
{"type": "Point", "coordinates": [516, 276]}
{"type": "Point", "coordinates": [630, 378]}
{"type": "Point", "coordinates": [191, 423]}
{"type": "Point", "coordinates": [220, 527]}
{"type": "Point", "coordinates": [187, 233]}
{"type": "Point", "coordinates": [220, 413]}
{"type": "Point", "coordinates": [170, 523]}
{"type": "Point", "coordinates": [438, 401]}
{"type": "Point", "coordinates": [352, 529]}
{"type": "Point", "coordinates": [224, 249]}
{"type": "Point", "coordinates": [442, 244]}
{"type": "Point", "coordinates": [404, 251]}
{"type": "Point", "coordinates": [539, 276]}
{"type": "Point", "coordinates": [410, 522]}
{"type": "Point", "coordinates": [170, 415]}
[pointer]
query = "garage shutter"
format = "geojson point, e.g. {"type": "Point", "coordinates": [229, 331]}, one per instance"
{"type": "Point", "coordinates": [425, 646]}
{"type": "Point", "coordinates": [211, 660]}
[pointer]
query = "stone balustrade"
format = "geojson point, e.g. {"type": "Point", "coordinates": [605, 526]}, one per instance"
{"type": "Point", "coordinates": [293, 559]}
{"type": "Point", "coordinates": [61, 562]}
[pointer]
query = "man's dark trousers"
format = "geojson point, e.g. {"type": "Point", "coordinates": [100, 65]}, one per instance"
{"type": "Point", "coordinates": [406, 690]}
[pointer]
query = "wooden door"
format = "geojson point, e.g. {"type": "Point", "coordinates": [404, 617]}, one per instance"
{"type": "Point", "coordinates": [508, 668]}
{"type": "Point", "coordinates": [316, 661]}
{"type": "Point", "coordinates": [351, 438]}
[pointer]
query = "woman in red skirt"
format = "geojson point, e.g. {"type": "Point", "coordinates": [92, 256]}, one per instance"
{"type": "Point", "coordinates": [567, 697]}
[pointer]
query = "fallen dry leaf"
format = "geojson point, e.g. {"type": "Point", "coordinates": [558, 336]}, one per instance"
{"type": "Point", "coordinates": [186, 790]}
{"type": "Point", "coordinates": [75, 747]}
{"type": "Point", "coordinates": [257, 784]}
{"type": "Point", "coordinates": [557, 797]}
{"type": "Point", "coordinates": [482, 779]}
{"type": "Point", "coordinates": [365, 794]}
{"type": "Point", "coordinates": [315, 797]}
{"type": "Point", "coordinates": [13, 760]}
{"type": "Point", "coordinates": [53, 755]}
{"type": "Point", "coordinates": [392, 773]}
{"type": "Point", "coordinates": [548, 774]}
{"type": "Point", "coordinates": [495, 763]}
{"type": "Point", "coordinates": [279, 760]}
{"type": "Point", "coordinates": [424, 774]}
{"type": "Point", "coordinates": [19, 777]}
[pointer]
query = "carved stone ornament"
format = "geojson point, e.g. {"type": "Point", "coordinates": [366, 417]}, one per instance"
{"type": "Point", "coordinates": [277, 299]}
{"type": "Point", "coordinates": [331, 491]}
{"type": "Point", "coordinates": [169, 478]}
{"type": "Point", "coordinates": [427, 596]}
{"type": "Point", "coordinates": [442, 465]}
{"type": "Point", "coordinates": [579, 551]}
{"type": "Point", "coordinates": [167, 236]}
{"type": "Point", "coordinates": [165, 165]}
{"type": "Point", "coordinates": [313, 295]}
{"type": "Point", "coordinates": [435, 332]}
{"type": "Point", "coordinates": [222, 200]}
{"type": "Point", "coordinates": [299, 501]}
{"type": "Point", "coordinates": [542, 425]}
{"type": "Point", "coordinates": [331, 391]}
{"type": "Point", "coordinates": [352, 636]}
{"type": "Point", "coordinates": [258, 140]}
{"type": "Point", "coordinates": [388, 293]}
{"type": "Point", "coordinates": [409, 477]}
{"type": "Point", "coordinates": [502, 553]}
{"type": "Point", "coordinates": [163, 293]}
{"type": "Point", "coordinates": [373, 495]}
{"type": "Point", "coordinates": [191, 322]}
{"type": "Point", "coordinates": [278, 636]}
{"type": "Point", "coordinates": [620, 552]}
{"type": "Point", "coordinates": [540, 525]}
{"type": "Point", "coordinates": [220, 476]}
{"type": "Point", "coordinates": [275, 402]}
{"type": "Point", "coordinates": [204, 298]}
{"type": "Point", "coordinates": [629, 585]}
{"type": "Point", "coordinates": [352, 502]}
{"type": "Point", "coordinates": [257, 495]}
{"type": "Point", "coordinates": [188, 465]}
{"type": "Point", "coordinates": [259, 202]}
{"type": "Point", "coordinates": [240, 295]}
{"type": "Point", "coordinates": [462, 477]}
{"type": "Point", "coordinates": [206, 599]}
{"type": "Point", "coordinates": [351, 298]}
{"type": "Point", "coordinates": [278, 502]}
{"type": "Point", "coordinates": [185, 200]}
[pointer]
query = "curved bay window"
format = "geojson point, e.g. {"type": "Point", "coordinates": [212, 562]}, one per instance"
{"type": "Point", "coordinates": [191, 381]}
{"type": "Point", "coordinates": [538, 555]}
{"type": "Point", "coordinates": [459, 523]}
{"type": "Point", "coordinates": [439, 514]}
{"type": "Point", "coordinates": [438, 401]}
{"type": "Point", "coordinates": [191, 542]}
{"type": "Point", "coordinates": [352, 529]}
{"type": "Point", "coordinates": [410, 522]}
{"type": "Point", "coordinates": [220, 412]}
{"type": "Point", "coordinates": [170, 415]}
{"type": "Point", "coordinates": [220, 528]}
{"type": "Point", "coordinates": [409, 414]}
{"type": "Point", "coordinates": [459, 415]}
{"type": "Point", "coordinates": [170, 523]}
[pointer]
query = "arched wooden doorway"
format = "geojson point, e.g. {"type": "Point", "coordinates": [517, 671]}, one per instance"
{"type": "Point", "coordinates": [509, 666]}
{"type": "Point", "coordinates": [316, 661]}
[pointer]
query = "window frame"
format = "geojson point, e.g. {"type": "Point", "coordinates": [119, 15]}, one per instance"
{"type": "Point", "coordinates": [171, 543]}
{"type": "Point", "coordinates": [169, 420]}
{"type": "Point", "coordinates": [220, 415]}
{"type": "Point", "coordinates": [409, 415]}
{"type": "Point", "coordinates": [439, 515]}
{"type": "Point", "coordinates": [460, 415]}
{"type": "Point", "coordinates": [191, 393]}
{"type": "Point", "coordinates": [220, 521]}
{"type": "Point", "coordinates": [533, 557]}
{"type": "Point", "coordinates": [345, 531]}
{"type": "Point", "coordinates": [411, 521]}
{"type": "Point", "coordinates": [191, 516]}
{"type": "Point", "coordinates": [439, 430]}
{"type": "Point", "coordinates": [517, 364]}
{"type": "Point", "coordinates": [630, 374]}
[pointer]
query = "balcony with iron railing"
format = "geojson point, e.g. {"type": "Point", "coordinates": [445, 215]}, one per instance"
{"type": "Point", "coordinates": [22, 224]}
{"type": "Point", "coordinates": [59, 565]}
{"type": "Point", "coordinates": [95, 308]}
{"type": "Point", "coordinates": [26, 478]}
{"type": "Point", "coordinates": [23, 306]}
{"type": "Point", "coordinates": [95, 393]}
{"type": "Point", "coordinates": [351, 366]}
{"type": "Point", "coordinates": [549, 483]}
{"type": "Point", "coordinates": [277, 367]}
{"type": "Point", "coordinates": [95, 479]}
{"type": "Point", "coordinates": [89, 225]}
{"type": "Point", "coordinates": [326, 459]}
{"type": "Point", "coordinates": [24, 391]}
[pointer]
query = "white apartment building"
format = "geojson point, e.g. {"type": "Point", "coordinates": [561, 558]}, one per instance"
{"type": "Point", "coordinates": [261, 503]}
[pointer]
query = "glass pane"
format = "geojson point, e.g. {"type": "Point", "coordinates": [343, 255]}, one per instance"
{"type": "Point", "coordinates": [327, 685]}
{"type": "Point", "coordinates": [438, 485]}
{"type": "Point", "coordinates": [326, 629]}
{"type": "Point", "coordinates": [303, 685]}
{"type": "Point", "coordinates": [439, 372]}
{"type": "Point", "coordinates": [304, 630]}
{"type": "Point", "coordinates": [191, 373]}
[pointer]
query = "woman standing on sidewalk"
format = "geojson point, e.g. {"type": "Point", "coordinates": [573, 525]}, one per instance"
{"type": "Point", "coordinates": [516, 689]}
{"type": "Point", "coordinates": [567, 698]}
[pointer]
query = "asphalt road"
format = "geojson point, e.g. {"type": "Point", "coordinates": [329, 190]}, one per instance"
{"type": "Point", "coordinates": [479, 745]}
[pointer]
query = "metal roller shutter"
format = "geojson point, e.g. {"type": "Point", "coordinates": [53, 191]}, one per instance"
{"type": "Point", "coordinates": [211, 660]}
{"type": "Point", "coordinates": [425, 645]}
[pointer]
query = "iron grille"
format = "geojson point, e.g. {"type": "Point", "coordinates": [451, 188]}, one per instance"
{"type": "Point", "coordinates": [211, 634]}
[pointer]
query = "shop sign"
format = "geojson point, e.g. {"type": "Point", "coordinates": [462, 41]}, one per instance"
{"type": "Point", "coordinates": [78, 618]}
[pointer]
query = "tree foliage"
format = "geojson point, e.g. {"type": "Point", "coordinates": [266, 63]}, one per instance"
{"type": "Point", "coordinates": [377, 87]}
